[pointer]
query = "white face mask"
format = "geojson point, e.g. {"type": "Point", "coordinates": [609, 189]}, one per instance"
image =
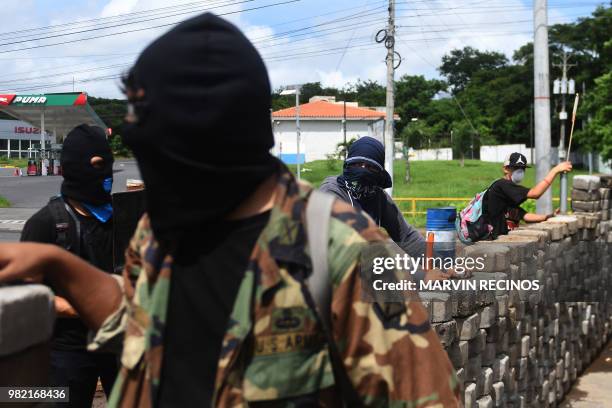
{"type": "Point", "coordinates": [518, 175]}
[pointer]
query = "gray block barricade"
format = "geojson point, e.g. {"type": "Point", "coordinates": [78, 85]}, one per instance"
{"type": "Point", "coordinates": [525, 348]}
{"type": "Point", "coordinates": [27, 316]}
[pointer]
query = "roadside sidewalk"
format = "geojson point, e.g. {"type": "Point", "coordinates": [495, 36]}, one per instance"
{"type": "Point", "coordinates": [593, 388]}
{"type": "Point", "coordinates": [13, 219]}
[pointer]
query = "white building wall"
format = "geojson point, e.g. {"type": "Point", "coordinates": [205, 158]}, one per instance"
{"type": "Point", "coordinates": [318, 137]}
{"type": "Point", "coordinates": [498, 153]}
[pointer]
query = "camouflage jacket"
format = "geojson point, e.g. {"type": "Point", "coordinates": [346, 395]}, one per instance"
{"type": "Point", "coordinates": [274, 353]}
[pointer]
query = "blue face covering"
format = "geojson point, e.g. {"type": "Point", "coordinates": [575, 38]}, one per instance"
{"type": "Point", "coordinates": [103, 212]}
{"type": "Point", "coordinates": [107, 184]}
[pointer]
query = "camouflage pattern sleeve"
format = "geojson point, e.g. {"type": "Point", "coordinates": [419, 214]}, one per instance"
{"type": "Point", "coordinates": [391, 354]}
{"type": "Point", "coordinates": [109, 337]}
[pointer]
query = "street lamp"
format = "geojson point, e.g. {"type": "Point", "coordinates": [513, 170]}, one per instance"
{"type": "Point", "coordinates": [291, 90]}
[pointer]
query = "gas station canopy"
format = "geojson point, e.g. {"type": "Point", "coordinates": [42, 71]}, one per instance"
{"type": "Point", "coordinates": [57, 113]}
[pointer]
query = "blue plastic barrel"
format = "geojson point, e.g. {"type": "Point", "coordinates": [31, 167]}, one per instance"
{"type": "Point", "coordinates": [441, 222]}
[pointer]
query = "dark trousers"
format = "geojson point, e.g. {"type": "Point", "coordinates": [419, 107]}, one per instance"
{"type": "Point", "coordinates": [79, 370]}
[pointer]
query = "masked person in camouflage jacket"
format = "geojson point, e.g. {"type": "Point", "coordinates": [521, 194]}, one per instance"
{"type": "Point", "coordinates": [213, 308]}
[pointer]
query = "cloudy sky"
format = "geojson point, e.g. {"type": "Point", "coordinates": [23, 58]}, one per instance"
{"type": "Point", "coordinates": [53, 46]}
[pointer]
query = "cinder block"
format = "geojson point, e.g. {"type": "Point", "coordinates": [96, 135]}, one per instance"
{"type": "Point", "coordinates": [27, 316]}
{"type": "Point", "coordinates": [494, 257]}
{"type": "Point", "coordinates": [446, 331]}
{"type": "Point", "coordinates": [469, 395]}
{"type": "Point", "coordinates": [588, 206]}
{"type": "Point", "coordinates": [486, 375]}
{"type": "Point", "coordinates": [458, 353]}
{"type": "Point", "coordinates": [485, 402]}
{"type": "Point", "coordinates": [582, 195]}
{"type": "Point", "coordinates": [488, 316]}
{"type": "Point", "coordinates": [501, 367]}
{"type": "Point", "coordinates": [477, 344]}
{"type": "Point", "coordinates": [499, 399]}
{"type": "Point", "coordinates": [488, 355]}
{"type": "Point", "coordinates": [587, 183]}
{"type": "Point", "coordinates": [468, 327]}
{"type": "Point", "coordinates": [440, 306]}
{"type": "Point", "coordinates": [473, 367]}
{"type": "Point", "coordinates": [571, 222]}
{"type": "Point", "coordinates": [465, 301]}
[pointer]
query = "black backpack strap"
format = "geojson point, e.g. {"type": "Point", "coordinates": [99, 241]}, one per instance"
{"type": "Point", "coordinates": [67, 225]}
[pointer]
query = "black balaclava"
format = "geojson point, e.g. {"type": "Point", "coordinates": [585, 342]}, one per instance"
{"type": "Point", "coordinates": [203, 130]}
{"type": "Point", "coordinates": [82, 181]}
{"type": "Point", "coordinates": [361, 182]}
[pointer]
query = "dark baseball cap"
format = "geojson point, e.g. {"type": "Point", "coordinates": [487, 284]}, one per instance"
{"type": "Point", "coordinates": [516, 160]}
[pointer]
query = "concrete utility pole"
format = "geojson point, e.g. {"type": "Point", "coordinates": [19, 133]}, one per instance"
{"type": "Point", "coordinates": [590, 156]}
{"type": "Point", "coordinates": [290, 90]}
{"type": "Point", "coordinates": [298, 132]}
{"type": "Point", "coordinates": [389, 136]}
{"type": "Point", "coordinates": [344, 129]}
{"type": "Point", "coordinates": [541, 101]}
{"type": "Point", "coordinates": [563, 90]}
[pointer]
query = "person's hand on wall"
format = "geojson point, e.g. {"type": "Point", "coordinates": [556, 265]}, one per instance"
{"type": "Point", "coordinates": [64, 309]}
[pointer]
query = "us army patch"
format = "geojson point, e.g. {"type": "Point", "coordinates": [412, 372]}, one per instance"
{"type": "Point", "coordinates": [287, 343]}
{"type": "Point", "coordinates": [288, 319]}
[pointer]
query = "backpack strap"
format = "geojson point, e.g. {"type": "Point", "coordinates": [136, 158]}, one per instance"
{"type": "Point", "coordinates": [318, 217]}
{"type": "Point", "coordinates": [62, 214]}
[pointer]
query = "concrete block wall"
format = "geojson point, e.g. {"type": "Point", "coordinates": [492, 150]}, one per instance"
{"type": "Point", "coordinates": [520, 348]}
{"type": "Point", "coordinates": [27, 315]}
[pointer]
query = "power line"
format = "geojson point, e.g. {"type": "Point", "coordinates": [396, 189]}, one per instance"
{"type": "Point", "coordinates": [143, 29]}
{"type": "Point", "coordinates": [101, 19]}
{"type": "Point", "coordinates": [121, 24]}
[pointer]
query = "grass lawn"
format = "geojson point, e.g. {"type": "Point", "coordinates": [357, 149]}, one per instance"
{"type": "Point", "coordinates": [4, 161]}
{"type": "Point", "coordinates": [4, 202]}
{"type": "Point", "coordinates": [434, 179]}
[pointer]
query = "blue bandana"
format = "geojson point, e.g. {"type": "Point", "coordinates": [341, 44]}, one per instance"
{"type": "Point", "coordinates": [102, 212]}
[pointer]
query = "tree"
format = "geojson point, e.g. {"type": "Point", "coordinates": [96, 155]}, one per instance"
{"type": "Point", "coordinates": [462, 140]}
{"type": "Point", "coordinates": [417, 134]}
{"type": "Point", "coordinates": [368, 93]}
{"type": "Point", "coordinates": [118, 148]}
{"type": "Point", "coordinates": [460, 65]}
{"type": "Point", "coordinates": [414, 94]}
{"type": "Point", "coordinates": [598, 133]}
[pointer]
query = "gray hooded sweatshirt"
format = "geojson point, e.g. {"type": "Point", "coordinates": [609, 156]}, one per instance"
{"type": "Point", "coordinates": [385, 213]}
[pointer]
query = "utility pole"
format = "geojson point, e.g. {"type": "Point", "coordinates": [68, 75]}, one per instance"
{"type": "Point", "coordinates": [389, 136]}
{"type": "Point", "coordinates": [290, 90]}
{"type": "Point", "coordinates": [297, 128]}
{"type": "Point", "coordinates": [541, 99]}
{"type": "Point", "coordinates": [344, 130]}
{"type": "Point", "coordinates": [590, 155]}
{"type": "Point", "coordinates": [563, 87]}
{"type": "Point", "coordinates": [531, 132]}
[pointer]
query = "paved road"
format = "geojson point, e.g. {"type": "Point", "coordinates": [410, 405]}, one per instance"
{"type": "Point", "coordinates": [28, 194]}
{"type": "Point", "coordinates": [34, 192]}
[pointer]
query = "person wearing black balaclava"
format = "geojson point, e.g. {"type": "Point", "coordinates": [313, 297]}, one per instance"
{"type": "Point", "coordinates": [84, 207]}
{"type": "Point", "coordinates": [362, 184]}
{"type": "Point", "coordinates": [214, 305]}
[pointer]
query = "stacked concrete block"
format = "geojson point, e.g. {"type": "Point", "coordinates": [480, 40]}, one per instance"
{"type": "Point", "coordinates": [591, 194]}
{"type": "Point", "coordinates": [525, 348]}
{"type": "Point", "coordinates": [27, 315]}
